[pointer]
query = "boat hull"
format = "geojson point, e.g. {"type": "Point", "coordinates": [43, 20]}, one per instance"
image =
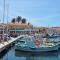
{"type": "Point", "coordinates": [41, 49]}
{"type": "Point", "coordinates": [59, 45]}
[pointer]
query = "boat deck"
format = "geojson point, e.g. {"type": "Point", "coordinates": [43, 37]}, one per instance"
{"type": "Point", "coordinates": [30, 42]}
{"type": "Point", "coordinates": [37, 43]}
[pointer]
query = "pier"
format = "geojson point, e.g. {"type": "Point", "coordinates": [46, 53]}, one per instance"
{"type": "Point", "coordinates": [6, 44]}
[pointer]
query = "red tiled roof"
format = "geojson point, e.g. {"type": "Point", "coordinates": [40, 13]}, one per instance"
{"type": "Point", "coordinates": [20, 25]}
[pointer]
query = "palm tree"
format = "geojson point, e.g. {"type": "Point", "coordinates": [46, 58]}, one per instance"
{"type": "Point", "coordinates": [18, 19]}
{"type": "Point", "coordinates": [23, 20]}
{"type": "Point", "coordinates": [13, 20]}
{"type": "Point", "coordinates": [28, 23]}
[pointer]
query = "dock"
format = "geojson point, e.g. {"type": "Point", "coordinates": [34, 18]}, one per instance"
{"type": "Point", "coordinates": [7, 43]}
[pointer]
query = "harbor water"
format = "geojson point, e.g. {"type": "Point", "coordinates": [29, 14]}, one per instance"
{"type": "Point", "coordinates": [11, 54]}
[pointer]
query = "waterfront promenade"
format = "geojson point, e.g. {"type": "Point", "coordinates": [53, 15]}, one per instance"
{"type": "Point", "coordinates": [7, 43]}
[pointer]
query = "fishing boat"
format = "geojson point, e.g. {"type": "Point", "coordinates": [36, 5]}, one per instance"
{"type": "Point", "coordinates": [29, 45]}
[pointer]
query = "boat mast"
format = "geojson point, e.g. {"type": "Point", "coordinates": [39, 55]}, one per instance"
{"type": "Point", "coordinates": [3, 17]}
{"type": "Point", "coordinates": [7, 20]}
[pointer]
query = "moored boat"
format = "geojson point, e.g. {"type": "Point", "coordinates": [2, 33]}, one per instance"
{"type": "Point", "coordinates": [55, 41]}
{"type": "Point", "coordinates": [28, 45]}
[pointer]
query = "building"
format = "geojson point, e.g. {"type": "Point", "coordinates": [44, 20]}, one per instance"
{"type": "Point", "coordinates": [3, 31]}
{"type": "Point", "coordinates": [20, 28]}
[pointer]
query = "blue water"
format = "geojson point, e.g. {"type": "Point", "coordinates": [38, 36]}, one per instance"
{"type": "Point", "coordinates": [18, 55]}
{"type": "Point", "coordinates": [11, 54]}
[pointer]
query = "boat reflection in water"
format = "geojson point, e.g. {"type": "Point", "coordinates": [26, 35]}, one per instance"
{"type": "Point", "coordinates": [59, 54]}
{"type": "Point", "coordinates": [37, 56]}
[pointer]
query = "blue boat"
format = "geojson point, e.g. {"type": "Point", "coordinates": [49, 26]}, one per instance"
{"type": "Point", "coordinates": [28, 45]}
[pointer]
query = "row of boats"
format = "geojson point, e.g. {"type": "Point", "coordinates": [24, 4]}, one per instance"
{"type": "Point", "coordinates": [37, 44]}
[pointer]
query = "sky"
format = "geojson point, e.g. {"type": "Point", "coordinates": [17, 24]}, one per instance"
{"type": "Point", "coordinates": [37, 12]}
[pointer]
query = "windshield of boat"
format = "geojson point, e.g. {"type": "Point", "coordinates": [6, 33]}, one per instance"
{"type": "Point", "coordinates": [22, 41]}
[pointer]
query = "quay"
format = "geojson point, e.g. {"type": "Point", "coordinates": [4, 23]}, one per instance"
{"type": "Point", "coordinates": [6, 44]}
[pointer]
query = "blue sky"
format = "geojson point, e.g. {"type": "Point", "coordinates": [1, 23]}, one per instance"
{"type": "Point", "coordinates": [38, 12]}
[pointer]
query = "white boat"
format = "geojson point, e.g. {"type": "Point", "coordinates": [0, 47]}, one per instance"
{"type": "Point", "coordinates": [28, 45]}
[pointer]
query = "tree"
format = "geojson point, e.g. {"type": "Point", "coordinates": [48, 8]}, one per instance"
{"type": "Point", "coordinates": [23, 20]}
{"type": "Point", "coordinates": [13, 20]}
{"type": "Point", "coordinates": [18, 19]}
{"type": "Point", "coordinates": [28, 23]}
